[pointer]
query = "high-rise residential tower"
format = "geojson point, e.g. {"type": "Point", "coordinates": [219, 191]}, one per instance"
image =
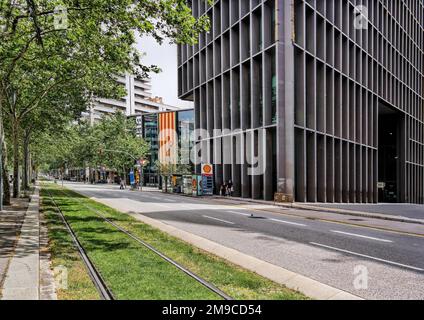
{"type": "Point", "coordinates": [327, 93]}
{"type": "Point", "coordinates": [138, 100]}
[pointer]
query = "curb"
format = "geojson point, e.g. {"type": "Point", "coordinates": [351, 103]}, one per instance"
{"type": "Point", "coordinates": [309, 287]}
{"type": "Point", "coordinates": [360, 214]}
{"type": "Point", "coordinates": [379, 216]}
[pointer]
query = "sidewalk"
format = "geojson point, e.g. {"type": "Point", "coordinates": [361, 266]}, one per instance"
{"type": "Point", "coordinates": [24, 279]}
{"type": "Point", "coordinates": [11, 219]}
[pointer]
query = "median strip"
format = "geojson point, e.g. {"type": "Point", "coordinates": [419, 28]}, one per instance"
{"type": "Point", "coordinates": [130, 279]}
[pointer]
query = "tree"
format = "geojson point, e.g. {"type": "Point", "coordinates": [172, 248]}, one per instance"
{"type": "Point", "coordinates": [38, 57]}
{"type": "Point", "coordinates": [167, 169]}
{"type": "Point", "coordinates": [118, 144]}
{"type": "Point", "coordinates": [111, 143]}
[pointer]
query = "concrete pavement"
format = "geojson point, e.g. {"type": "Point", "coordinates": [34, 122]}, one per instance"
{"type": "Point", "coordinates": [11, 220]}
{"type": "Point", "coordinates": [24, 279]}
{"type": "Point", "coordinates": [328, 252]}
{"type": "Point", "coordinates": [411, 212]}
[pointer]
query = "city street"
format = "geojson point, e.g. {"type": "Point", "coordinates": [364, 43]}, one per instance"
{"type": "Point", "coordinates": [329, 252]}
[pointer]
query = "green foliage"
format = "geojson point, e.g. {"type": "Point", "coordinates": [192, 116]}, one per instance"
{"type": "Point", "coordinates": [51, 71]}
{"type": "Point", "coordinates": [169, 169]}
{"type": "Point", "coordinates": [111, 143]}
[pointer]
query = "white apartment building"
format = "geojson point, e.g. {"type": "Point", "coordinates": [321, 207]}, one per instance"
{"type": "Point", "coordinates": [138, 100]}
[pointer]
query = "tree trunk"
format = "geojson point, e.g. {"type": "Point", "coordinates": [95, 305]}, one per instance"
{"type": "Point", "coordinates": [6, 185]}
{"type": "Point", "coordinates": [26, 167]}
{"type": "Point", "coordinates": [15, 142]}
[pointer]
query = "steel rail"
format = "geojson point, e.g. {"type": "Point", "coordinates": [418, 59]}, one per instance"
{"type": "Point", "coordinates": [94, 274]}
{"type": "Point", "coordinates": [160, 254]}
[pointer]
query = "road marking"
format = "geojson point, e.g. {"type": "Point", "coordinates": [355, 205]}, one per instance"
{"type": "Point", "coordinates": [170, 200]}
{"type": "Point", "coordinates": [288, 222]}
{"type": "Point", "coordinates": [361, 236]}
{"type": "Point", "coordinates": [161, 205]}
{"type": "Point", "coordinates": [366, 256]}
{"type": "Point", "coordinates": [240, 213]}
{"type": "Point", "coordinates": [228, 222]}
{"type": "Point", "coordinates": [276, 220]}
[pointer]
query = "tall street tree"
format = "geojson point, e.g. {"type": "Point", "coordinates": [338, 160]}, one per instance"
{"type": "Point", "coordinates": [47, 45]}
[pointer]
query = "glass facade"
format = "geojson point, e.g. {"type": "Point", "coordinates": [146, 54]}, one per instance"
{"type": "Point", "coordinates": [184, 124]}
{"type": "Point", "coordinates": [150, 135]}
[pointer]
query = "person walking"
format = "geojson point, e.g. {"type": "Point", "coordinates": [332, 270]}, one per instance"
{"type": "Point", "coordinates": [230, 187]}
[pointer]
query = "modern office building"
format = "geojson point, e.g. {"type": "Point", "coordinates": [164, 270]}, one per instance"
{"type": "Point", "coordinates": [138, 100]}
{"type": "Point", "coordinates": [330, 90]}
{"type": "Point", "coordinates": [177, 132]}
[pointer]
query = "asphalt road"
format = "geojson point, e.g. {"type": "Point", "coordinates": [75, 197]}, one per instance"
{"type": "Point", "coordinates": [332, 253]}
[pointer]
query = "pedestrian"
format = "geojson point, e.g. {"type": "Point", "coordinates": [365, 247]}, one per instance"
{"type": "Point", "coordinates": [222, 190]}
{"type": "Point", "coordinates": [225, 189]}
{"type": "Point", "coordinates": [121, 184]}
{"type": "Point", "coordinates": [230, 187]}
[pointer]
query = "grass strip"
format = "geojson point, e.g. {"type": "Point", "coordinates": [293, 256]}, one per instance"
{"type": "Point", "coordinates": [65, 254]}
{"type": "Point", "coordinates": [131, 271]}
{"type": "Point", "coordinates": [235, 281]}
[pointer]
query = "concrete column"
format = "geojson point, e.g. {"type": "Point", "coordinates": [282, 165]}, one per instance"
{"type": "Point", "coordinates": [245, 178]}
{"type": "Point", "coordinates": [285, 97]}
{"type": "Point", "coordinates": [236, 166]}
{"type": "Point", "coordinates": [269, 170]}
{"type": "Point", "coordinates": [257, 177]}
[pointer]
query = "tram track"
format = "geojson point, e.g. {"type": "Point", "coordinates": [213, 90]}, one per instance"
{"type": "Point", "coordinates": [98, 281]}
{"type": "Point", "coordinates": [141, 242]}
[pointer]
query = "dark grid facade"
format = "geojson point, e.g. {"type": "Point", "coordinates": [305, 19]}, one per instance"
{"type": "Point", "coordinates": [342, 107]}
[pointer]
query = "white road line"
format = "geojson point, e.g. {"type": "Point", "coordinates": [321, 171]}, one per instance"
{"type": "Point", "coordinates": [275, 220]}
{"type": "Point", "coordinates": [288, 222]}
{"type": "Point", "coordinates": [361, 236]}
{"type": "Point", "coordinates": [170, 200]}
{"type": "Point", "coordinates": [228, 222]}
{"type": "Point", "coordinates": [368, 257]}
{"type": "Point", "coordinates": [161, 205]}
{"type": "Point", "coordinates": [239, 213]}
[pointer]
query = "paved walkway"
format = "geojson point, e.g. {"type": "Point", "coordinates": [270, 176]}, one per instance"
{"type": "Point", "coordinates": [411, 211]}
{"type": "Point", "coordinates": [11, 220]}
{"type": "Point", "coordinates": [23, 279]}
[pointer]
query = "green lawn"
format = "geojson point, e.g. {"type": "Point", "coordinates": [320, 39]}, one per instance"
{"type": "Point", "coordinates": [133, 272]}
{"type": "Point", "coordinates": [64, 253]}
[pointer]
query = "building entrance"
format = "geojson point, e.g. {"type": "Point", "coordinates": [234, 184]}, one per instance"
{"type": "Point", "coordinates": [390, 155]}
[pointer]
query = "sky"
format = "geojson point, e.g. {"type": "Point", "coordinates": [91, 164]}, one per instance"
{"type": "Point", "coordinates": [164, 84]}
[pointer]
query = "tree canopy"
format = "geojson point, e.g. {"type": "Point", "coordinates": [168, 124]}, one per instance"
{"type": "Point", "coordinates": [110, 143]}
{"type": "Point", "coordinates": [56, 54]}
